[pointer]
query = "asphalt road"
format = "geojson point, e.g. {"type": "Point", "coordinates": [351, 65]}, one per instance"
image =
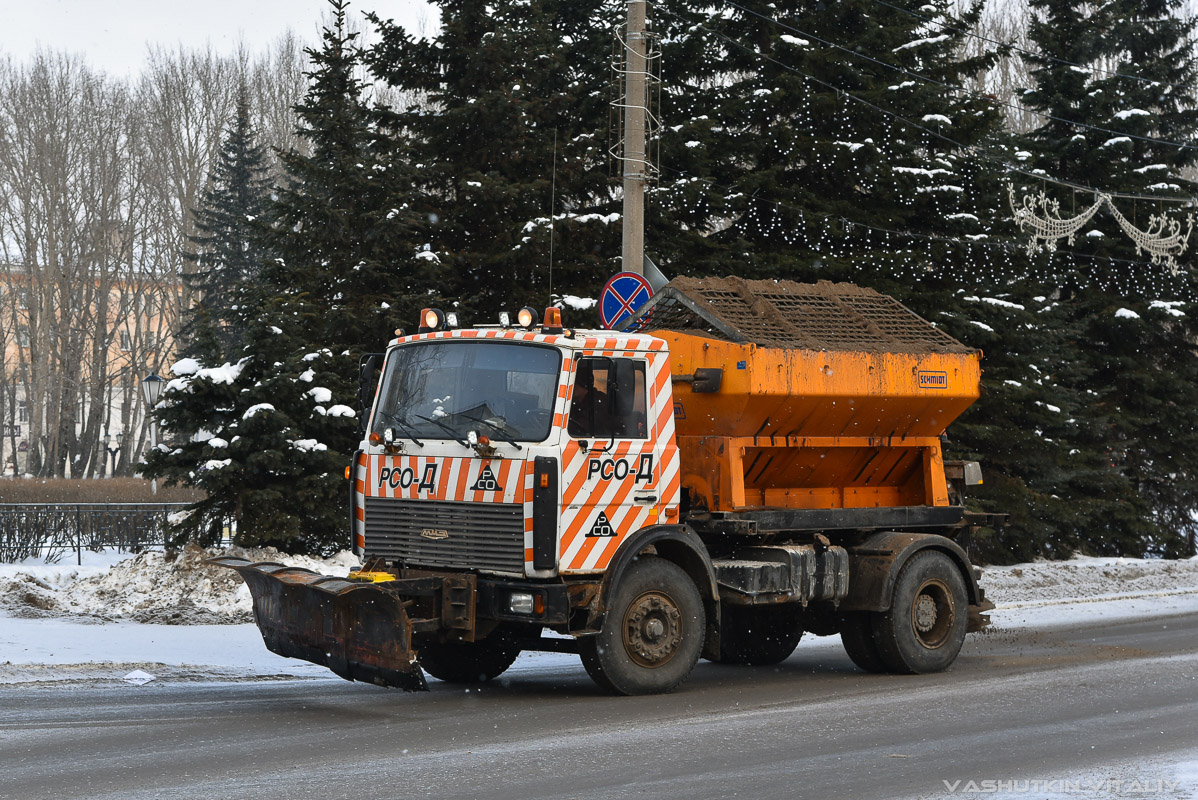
{"type": "Point", "coordinates": [1017, 705]}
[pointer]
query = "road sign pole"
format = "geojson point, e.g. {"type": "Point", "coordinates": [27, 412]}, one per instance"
{"type": "Point", "coordinates": [635, 155]}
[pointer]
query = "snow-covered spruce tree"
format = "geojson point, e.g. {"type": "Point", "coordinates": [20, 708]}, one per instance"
{"type": "Point", "coordinates": [346, 231]}
{"type": "Point", "coordinates": [791, 133]}
{"type": "Point", "coordinates": [227, 249]}
{"type": "Point", "coordinates": [345, 270]}
{"type": "Point", "coordinates": [816, 110]}
{"type": "Point", "coordinates": [1019, 427]}
{"type": "Point", "coordinates": [1115, 123]}
{"type": "Point", "coordinates": [493, 93]}
{"type": "Point", "coordinates": [201, 402]}
{"type": "Point", "coordinates": [260, 454]}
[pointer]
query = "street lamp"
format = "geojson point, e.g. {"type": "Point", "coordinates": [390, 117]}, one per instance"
{"type": "Point", "coordinates": [151, 387]}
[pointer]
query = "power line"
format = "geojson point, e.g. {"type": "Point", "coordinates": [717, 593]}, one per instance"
{"type": "Point", "coordinates": [962, 89]}
{"type": "Point", "coordinates": [975, 150]}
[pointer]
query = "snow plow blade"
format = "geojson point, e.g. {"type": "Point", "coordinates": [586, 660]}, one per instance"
{"type": "Point", "coordinates": [359, 630]}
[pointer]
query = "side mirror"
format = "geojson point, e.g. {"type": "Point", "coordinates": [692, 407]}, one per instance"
{"type": "Point", "coordinates": [621, 387]}
{"type": "Point", "coordinates": [368, 381]}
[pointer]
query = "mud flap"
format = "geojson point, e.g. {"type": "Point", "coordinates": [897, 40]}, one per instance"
{"type": "Point", "coordinates": [977, 619]}
{"type": "Point", "coordinates": [361, 631]}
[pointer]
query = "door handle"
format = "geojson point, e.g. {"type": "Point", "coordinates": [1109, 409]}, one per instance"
{"type": "Point", "coordinates": [645, 498]}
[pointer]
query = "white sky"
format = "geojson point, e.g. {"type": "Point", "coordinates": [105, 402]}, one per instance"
{"type": "Point", "coordinates": [113, 35]}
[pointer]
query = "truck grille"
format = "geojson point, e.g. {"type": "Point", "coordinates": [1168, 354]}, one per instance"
{"type": "Point", "coordinates": [435, 533]}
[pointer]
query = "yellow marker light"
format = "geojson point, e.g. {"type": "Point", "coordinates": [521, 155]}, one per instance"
{"type": "Point", "coordinates": [347, 472]}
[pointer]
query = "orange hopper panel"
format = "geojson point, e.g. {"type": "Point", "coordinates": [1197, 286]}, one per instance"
{"type": "Point", "coordinates": [831, 395]}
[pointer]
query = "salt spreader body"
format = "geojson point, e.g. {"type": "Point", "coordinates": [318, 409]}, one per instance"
{"type": "Point", "coordinates": [745, 462]}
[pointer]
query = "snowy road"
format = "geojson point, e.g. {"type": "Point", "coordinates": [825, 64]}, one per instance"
{"type": "Point", "coordinates": [1070, 695]}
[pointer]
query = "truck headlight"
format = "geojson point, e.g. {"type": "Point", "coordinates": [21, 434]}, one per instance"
{"type": "Point", "coordinates": [520, 603]}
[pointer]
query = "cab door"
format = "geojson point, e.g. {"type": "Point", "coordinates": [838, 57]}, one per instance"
{"type": "Point", "coordinates": [610, 474]}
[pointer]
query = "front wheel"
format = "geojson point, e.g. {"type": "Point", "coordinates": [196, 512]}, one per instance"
{"type": "Point", "coordinates": [467, 662]}
{"type": "Point", "coordinates": [925, 627]}
{"type": "Point", "coordinates": [653, 631]}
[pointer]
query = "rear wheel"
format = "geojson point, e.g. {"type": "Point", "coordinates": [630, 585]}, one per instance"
{"type": "Point", "coordinates": [925, 627]}
{"type": "Point", "coordinates": [758, 635]}
{"type": "Point", "coordinates": [468, 662]}
{"type": "Point", "coordinates": [652, 633]}
{"type": "Point", "coordinates": [857, 635]}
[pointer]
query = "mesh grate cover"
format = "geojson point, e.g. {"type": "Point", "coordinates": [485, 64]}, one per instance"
{"type": "Point", "coordinates": [805, 316]}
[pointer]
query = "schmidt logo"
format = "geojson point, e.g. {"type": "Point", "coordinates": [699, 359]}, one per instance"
{"type": "Point", "coordinates": [933, 380]}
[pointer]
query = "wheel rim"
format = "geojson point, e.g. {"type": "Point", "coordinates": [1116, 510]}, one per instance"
{"type": "Point", "coordinates": [652, 630]}
{"type": "Point", "coordinates": [933, 613]}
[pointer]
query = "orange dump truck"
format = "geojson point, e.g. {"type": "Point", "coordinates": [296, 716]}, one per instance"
{"type": "Point", "coordinates": [744, 463]}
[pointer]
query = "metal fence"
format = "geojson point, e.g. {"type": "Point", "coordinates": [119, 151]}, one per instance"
{"type": "Point", "coordinates": [54, 530]}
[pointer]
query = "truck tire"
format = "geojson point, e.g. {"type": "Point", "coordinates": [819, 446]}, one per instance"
{"type": "Point", "coordinates": [652, 634]}
{"type": "Point", "coordinates": [467, 662]}
{"type": "Point", "coordinates": [758, 635]}
{"type": "Point", "coordinates": [925, 627]}
{"type": "Point", "coordinates": [857, 636]}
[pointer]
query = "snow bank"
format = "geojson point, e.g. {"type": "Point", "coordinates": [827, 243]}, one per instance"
{"type": "Point", "coordinates": [153, 587]}
{"type": "Point", "coordinates": [97, 622]}
{"type": "Point", "coordinates": [1087, 578]}
{"type": "Point", "coordinates": [179, 589]}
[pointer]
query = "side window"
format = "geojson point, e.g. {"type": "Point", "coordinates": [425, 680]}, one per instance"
{"type": "Point", "coordinates": [608, 400]}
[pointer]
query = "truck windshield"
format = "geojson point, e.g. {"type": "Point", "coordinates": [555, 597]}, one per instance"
{"type": "Point", "coordinates": [443, 389]}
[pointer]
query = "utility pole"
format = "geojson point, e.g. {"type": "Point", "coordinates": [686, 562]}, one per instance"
{"type": "Point", "coordinates": [635, 157]}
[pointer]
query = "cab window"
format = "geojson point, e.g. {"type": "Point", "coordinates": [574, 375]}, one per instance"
{"type": "Point", "coordinates": [608, 400]}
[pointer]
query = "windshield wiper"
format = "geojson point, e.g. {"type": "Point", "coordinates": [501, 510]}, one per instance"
{"type": "Point", "coordinates": [452, 433]}
{"type": "Point", "coordinates": [498, 431]}
{"type": "Point", "coordinates": [405, 427]}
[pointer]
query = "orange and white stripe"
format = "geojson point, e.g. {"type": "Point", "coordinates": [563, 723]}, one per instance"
{"type": "Point", "coordinates": [446, 478]}
{"type": "Point", "coordinates": [358, 523]}
{"type": "Point", "coordinates": [584, 492]}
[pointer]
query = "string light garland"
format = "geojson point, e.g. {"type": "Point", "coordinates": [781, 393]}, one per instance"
{"type": "Point", "coordinates": [1163, 241]}
{"type": "Point", "coordinates": [997, 262]}
{"type": "Point", "coordinates": [1042, 215]}
{"type": "Point", "coordinates": [918, 257]}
